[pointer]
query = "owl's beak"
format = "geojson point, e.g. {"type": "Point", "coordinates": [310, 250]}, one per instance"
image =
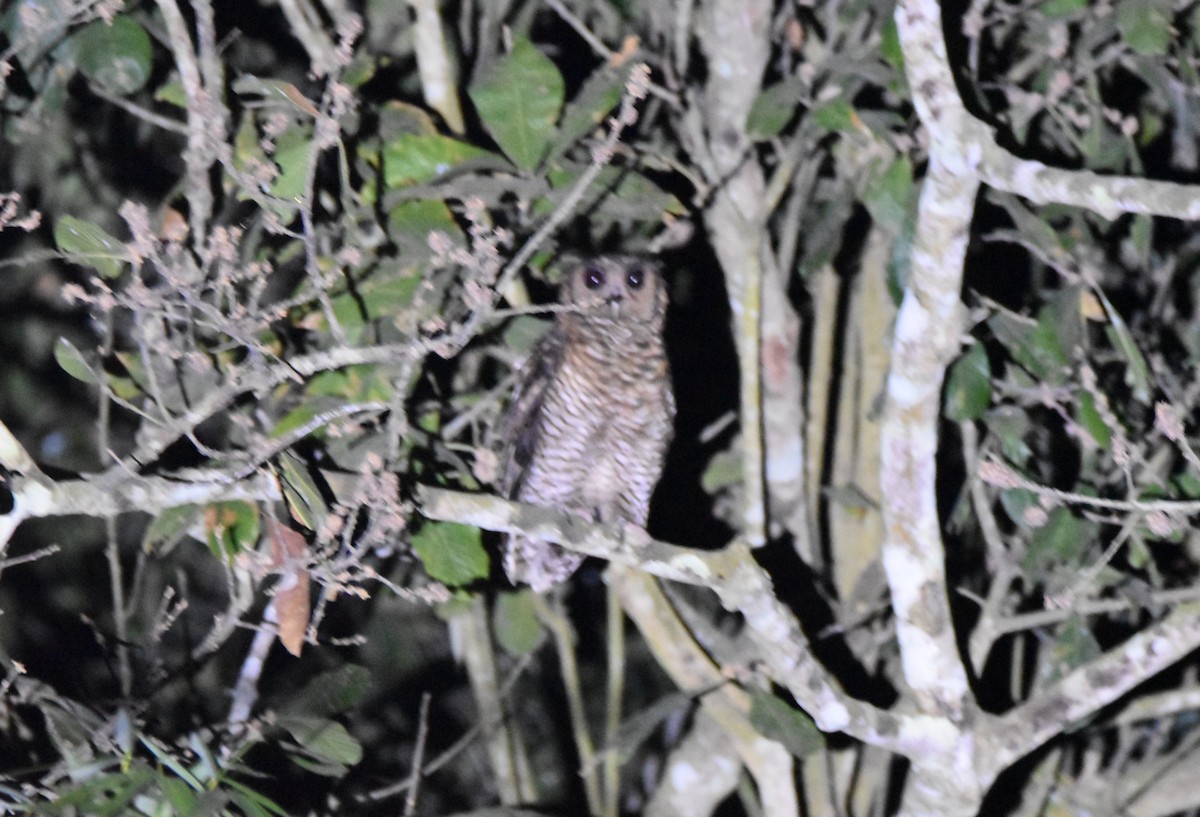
{"type": "Point", "coordinates": [614, 301]}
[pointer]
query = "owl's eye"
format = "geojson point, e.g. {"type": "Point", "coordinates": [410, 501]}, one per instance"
{"type": "Point", "coordinates": [636, 278]}
{"type": "Point", "coordinates": [593, 277]}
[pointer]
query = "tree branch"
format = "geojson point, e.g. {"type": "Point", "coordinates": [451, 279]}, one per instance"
{"type": "Point", "coordinates": [1099, 682]}
{"type": "Point", "coordinates": [737, 580]}
{"type": "Point", "coordinates": [926, 338]}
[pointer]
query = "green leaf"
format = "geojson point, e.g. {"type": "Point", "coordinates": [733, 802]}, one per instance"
{"type": "Point", "coordinates": [523, 332]}
{"type": "Point", "coordinates": [1016, 502]}
{"type": "Point", "coordinates": [1036, 346]}
{"type": "Point", "coordinates": [331, 692]}
{"type": "Point", "coordinates": [724, 470]}
{"type": "Point", "coordinates": [1141, 238]}
{"type": "Point", "coordinates": [774, 108]}
{"type": "Point", "coordinates": [1088, 417]}
{"type": "Point", "coordinates": [390, 296]}
{"type": "Point", "coordinates": [321, 767]}
{"type": "Point", "coordinates": [361, 383]}
{"type": "Point", "coordinates": [231, 526]}
{"type": "Point", "coordinates": [166, 758]}
{"type": "Point", "coordinates": [637, 196]}
{"type": "Point", "coordinates": [324, 739]}
{"type": "Point", "coordinates": [249, 806]}
{"type": "Point", "coordinates": [1187, 486]}
{"type": "Point", "coordinates": [517, 627]}
{"type": "Point", "coordinates": [300, 490]}
{"type": "Point", "coordinates": [86, 244]}
{"type": "Point", "coordinates": [291, 154]}
{"type": "Point", "coordinates": [248, 797]}
{"type": "Point", "coordinates": [519, 101]}
{"type": "Point", "coordinates": [415, 159]}
{"type": "Point", "coordinates": [1033, 227]}
{"type": "Point", "coordinates": [837, 115]}
{"type": "Point", "coordinates": [170, 527]}
{"type": "Point", "coordinates": [1137, 371]}
{"type": "Point", "coordinates": [108, 795]}
{"type": "Point", "coordinates": [1063, 540]}
{"type": "Point", "coordinates": [969, 386]}
{"type": "Point", "coordinates": [599, 95]}
{"type": "Point", "coordinates": [452, 553]}
{"type": "Point", "coordinates": [396, 117]}
{"type": "Point", "coordinates": [890, 47]}
{"type": "Point", "coordinates": [619, 194]}
{"type": "Point", "coordinates": [116, 56]}
{"type": "Point", "coordinates": [172, 93]}
{"type": "Point", "coordinates": [124, 387]}
{"type": "Point", "coordinates": [1145, 25]}
{"type": "Point", "coordinates": [361, 71]}
{"type": "Point", "coordinates": [178, 794]}
{"type": "Point", "coordinates": [383, 296]}
{"type": "Point", "coordinates": [774, 719]}
{"type": "Point", "coordinates": [1074, 647]}
{"type": "Point", "coordinates": [1063, 8]}
{"type": "Point", "coordinates": [1137, 553]}
{"type": "Point", "coordinates": [889, 196]}
{"type": "Point", "coordinates": [72, 361]}
{"type": "Point", "coordinates": [411, 222]}
{"type": "Point", "coordinates": [300, 416]}
{"type": "Point", "coordinates": [1010, 425]}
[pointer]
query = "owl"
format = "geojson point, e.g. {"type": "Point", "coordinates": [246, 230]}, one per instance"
{"type": "Point", "coordinates": [592, 417]}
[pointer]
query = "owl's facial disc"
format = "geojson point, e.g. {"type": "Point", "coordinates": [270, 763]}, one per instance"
{"type": "Point", "coordinates": [615, 288]}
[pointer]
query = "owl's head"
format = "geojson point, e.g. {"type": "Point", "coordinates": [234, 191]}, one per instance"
{"type": "Point", "coordinates": [625, 289]}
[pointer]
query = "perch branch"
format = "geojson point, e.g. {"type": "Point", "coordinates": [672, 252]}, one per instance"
{"type": "Point", "coordinates": [737, 580]}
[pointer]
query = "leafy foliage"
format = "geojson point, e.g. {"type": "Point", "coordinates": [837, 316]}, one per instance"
{"type": "Point", "coordinates": [269, 262]}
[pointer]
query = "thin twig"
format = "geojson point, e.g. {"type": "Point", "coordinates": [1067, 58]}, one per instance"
{"type": "Point", "coordinates": [199, 153]}
{"type": "Point", "coordinates": [245, 691]}
{"type": "Point", "coordinates": [553, 615]}
{"type": "Point", "coordinates": [116, 578]}
{"type": "Point", "coordinates": [486, 725]}
{"type": "Point", "coordinates": [414, 779]}
{"type": "Point", "coordinates": [615, 627]}
{"type": "Point", "coordinates": [305, 26]}
{"type": "Point", "coordinates": [597, 45]}
{"type": "Point", "coordinates": [146, 115]}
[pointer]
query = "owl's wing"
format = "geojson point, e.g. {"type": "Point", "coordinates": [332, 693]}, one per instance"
{"type": "Point", "coordinates": [520, 427]}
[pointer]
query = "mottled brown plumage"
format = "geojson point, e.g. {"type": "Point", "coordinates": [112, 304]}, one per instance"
{"type": "Point", "coordinates": [592, 417]}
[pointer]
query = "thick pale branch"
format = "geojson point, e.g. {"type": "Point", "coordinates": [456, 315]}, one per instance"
{"type": "Point", "coordinates": [736, 40]}
{"type": "Point", "coordinates": [438, 82]}
{"type": "Point", "coordinates": [737, 580]}
{"type": "Point", "coordinates": [970, 144]}
{"type": "Point", "coordinates": [107, 497]}
{"type": "Point", "coordinates": [962, 154]}
{"type": "Point", "coordinates": [690, 667]}
{"type": "Point", "coordinates": [1110, 196]}
{"type": "Point", "coordinates": [1099, 682]}
{"type": "Point", "coordinates": [926, 338]}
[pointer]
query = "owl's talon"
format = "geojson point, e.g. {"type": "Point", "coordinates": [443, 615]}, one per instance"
{"type": "Point", "coordinates": [633, 536]}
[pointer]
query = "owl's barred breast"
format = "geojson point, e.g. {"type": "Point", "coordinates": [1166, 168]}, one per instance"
{"type": "Point", "coordinates": [608, 420]}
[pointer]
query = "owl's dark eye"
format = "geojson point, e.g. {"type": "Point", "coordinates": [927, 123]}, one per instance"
{"type": "Point", "coordinates": [636, 278]}
{"type": "Point", "coordinates": [593, 277]}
